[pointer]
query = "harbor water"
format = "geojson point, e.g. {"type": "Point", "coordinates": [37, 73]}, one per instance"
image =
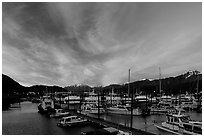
{"type": "Point", "coordinates": [27, 121]}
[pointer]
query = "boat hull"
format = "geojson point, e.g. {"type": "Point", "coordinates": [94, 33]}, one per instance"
{"type": "Point", "coordinates": [80, 123]}
{"type": "Point", "coordinates": [167, 130]}
{"type": "Point", "coordinates": [158, 111]}
{"type": "Point", "coordinates": [59, 115]}
{"type": "Point", "coordinates": [125, 112]}
{"type": "Point", "coordinates": [92, 112]}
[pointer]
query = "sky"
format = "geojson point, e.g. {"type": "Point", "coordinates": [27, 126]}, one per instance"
{"type": "Point", "coordinates": [96, 43]}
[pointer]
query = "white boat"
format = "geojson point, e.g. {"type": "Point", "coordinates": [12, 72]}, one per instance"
{"type": "Point", "coordinates": [142, 101]}
{"type": "Point", "coordinates": [92, 99]}
{"type": "Point", "coordinates": [123, 110]}
{"type": "Point", "coordinates": [71, 121]}
{"type": "Point", "coordinates": [181, 124]}
{"type": "Point", "coordinates": [142, 98]}
{"type": "Point", "coordinates": [113, 98]}
{"type": "Point", "coordinates": [46, 104]}
{"type": "Point", "coordinates": [72, 99]}
{"type": "Point", "coordinates": [59, 113]}
{"type": "Point", "coordinates": [93, 110]}
{"type": "Point", "coordinates": [167, 99]}
{"type": "Point", "coordinates": [189, 105]}
{"type": "Point", "coordinates": [158, 110]}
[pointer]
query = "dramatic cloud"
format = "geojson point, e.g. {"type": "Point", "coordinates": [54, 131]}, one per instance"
{"type": "Point", "coordinates": [96, 43]}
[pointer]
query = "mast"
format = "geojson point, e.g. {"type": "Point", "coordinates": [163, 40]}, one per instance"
{"type": "Point", "coordinates": [99, 104]}
{"type": "Point", "coordinates": [160, 81]}
{"type": "Point", "coordinates": [129, 83]}
{"type": "Point", "coordinates": [197, 89]}
{"type": "Point", "coordinates": [131, 101]}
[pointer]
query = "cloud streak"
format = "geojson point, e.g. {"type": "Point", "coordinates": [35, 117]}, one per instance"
{"type": "Point", "coordinates": [96, 43]}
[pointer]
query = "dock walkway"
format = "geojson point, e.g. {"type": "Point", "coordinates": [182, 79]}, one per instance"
{"type": "Point", "coordinates": [105, 123]}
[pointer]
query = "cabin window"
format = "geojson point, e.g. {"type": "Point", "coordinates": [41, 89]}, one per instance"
{"type": "Point", "coordinates": [172, 119]}
{"type": "Point", "coordinates": [185, 119]}
{"type": "Point", "coordinates": [187, 127]}
{"type": "Point", "coordinates": [168, 119]}
{"type": "Point", "coordinates": [176, 120]}
{"type": "Point", "coordinates": [129, 108]}
{"type": "Point", "coordinates": [197, 129]}
{"type": "Point", "coordinates": [120, 107]}
{"type": "Point", "coordinates": [67, 120]}
{"type": "Point", "coordinates": [47, 103]}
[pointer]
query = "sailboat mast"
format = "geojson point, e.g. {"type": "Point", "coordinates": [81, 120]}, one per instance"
{"type": "Point", "coordinates": [198, 87]}
{"type": "Point", "coordinates": [131, 118]}
{"type": "Point", "coordinates": [160, 81]}
{"type": "Point", "coordinates": [129, 83]}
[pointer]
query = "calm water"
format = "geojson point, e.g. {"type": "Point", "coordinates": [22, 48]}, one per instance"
{"type": "Point", "coordinates": [26, 121]}
{"type": "Point", "coordinates": [145, 123]}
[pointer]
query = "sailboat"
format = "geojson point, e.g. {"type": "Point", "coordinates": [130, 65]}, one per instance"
{"type": "Point", "coordinates": [165, 101]}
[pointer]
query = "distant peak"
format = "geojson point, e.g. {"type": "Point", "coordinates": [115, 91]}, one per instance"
{"type": "Point", "coordinates": [191, 73]}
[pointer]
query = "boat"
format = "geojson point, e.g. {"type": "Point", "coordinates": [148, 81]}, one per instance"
{"type": "Point", "coordinates": [35, 100]}
{"type": "Point", "coordinates": [164, 108]}
{"type": "Point", "coordinates": [123, 110]}
{"type": "Point", "coordinates": [91, 99]}
{"type": "Point", "coordinates": [158, 110]}
{"type": "Point", "coordinates": [188, 102]}
{"type": "Point", "coordinates": [46, 105]}
{"type": "Point", "coordinates": [93, 110]}
{"type": "Point", "coordinates": [180, 124]}
{"type": "Point", "coordinates": [113, 98]}
{"type": "Point", "coordinates": [189, 105]}
{"type": "Point", "coordinates": [59, 113]}
{"type": "Point", "coordinates": [71, 121]}
{"type": "Point", "coordinates": [141, 101]}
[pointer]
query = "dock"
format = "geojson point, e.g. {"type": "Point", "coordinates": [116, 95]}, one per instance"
{"type": "Point", "coordinates": [106, 123]}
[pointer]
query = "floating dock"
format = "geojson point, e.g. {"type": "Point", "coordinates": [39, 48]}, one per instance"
{"type": "Point", "coordinates": [105, 123]}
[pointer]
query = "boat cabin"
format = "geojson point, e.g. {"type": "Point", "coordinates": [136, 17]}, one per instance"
{"type": "Point", "coordinates": [142, 98]}
{"type": "Point", "coordinates": [69, 119]}
{"type": "Point", "coordinates": [184, 123]}
{"type": "Point", "coordinates": [171, 118]}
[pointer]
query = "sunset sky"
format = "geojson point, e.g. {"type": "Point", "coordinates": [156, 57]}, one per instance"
{"type": "Point", "coordinates": [96, 43]}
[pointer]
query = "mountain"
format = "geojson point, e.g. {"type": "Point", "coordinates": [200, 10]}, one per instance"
{"type": "Point", "coordinates": [171, 85]}
{"type": "Point", "coordinates": [12, 91]}
{"type": "Point", "coordinates": [79, 88]}
{"type": "Point", "coordinates": [10, 86]}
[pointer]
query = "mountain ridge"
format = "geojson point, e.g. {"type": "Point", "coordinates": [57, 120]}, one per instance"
{"type": "Point", "coordinates": [9, 85]}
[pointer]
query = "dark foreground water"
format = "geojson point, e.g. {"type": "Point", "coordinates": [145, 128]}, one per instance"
{"type": "Point", "coordinates": [26, 121]}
